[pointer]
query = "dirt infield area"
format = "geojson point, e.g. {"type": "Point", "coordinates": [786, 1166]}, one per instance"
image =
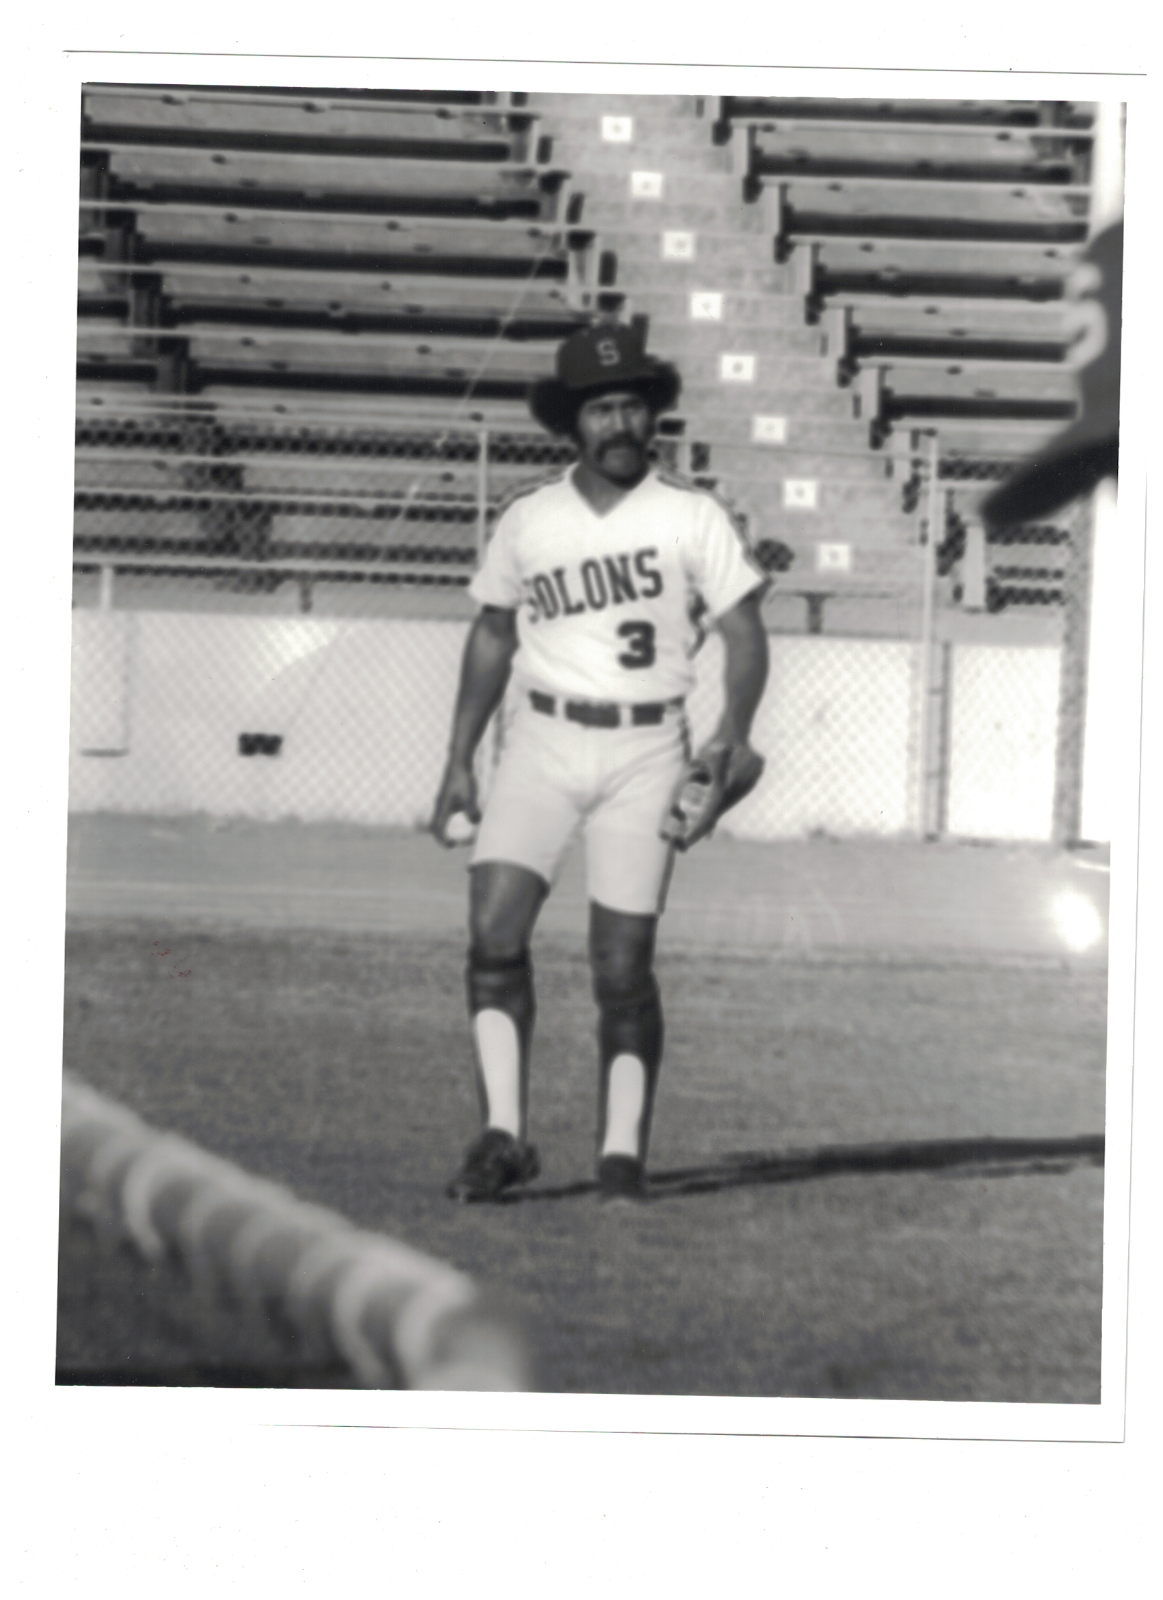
{"type": "Point", "coordinates": [877, 1170]}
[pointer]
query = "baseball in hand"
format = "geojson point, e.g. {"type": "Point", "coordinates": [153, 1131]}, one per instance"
{"type": "Point", "coordinates": [459, 830]}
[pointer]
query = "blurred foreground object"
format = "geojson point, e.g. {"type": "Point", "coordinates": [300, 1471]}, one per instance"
{"type": "Point", "coordinates": [1076, 462]}
{"type": "Point", "coordinates": [397, 1318]}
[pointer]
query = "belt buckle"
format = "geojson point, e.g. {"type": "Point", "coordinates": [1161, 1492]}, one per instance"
{"type": "Point", "coordinates": [593, 713]}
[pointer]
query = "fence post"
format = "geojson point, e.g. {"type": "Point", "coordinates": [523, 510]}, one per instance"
{"type": "Point", "coordinates": [930, 776]}
{"type": "Point", "coordinates": [482, 490]}
{"type": "Point", "coordinates": [1067, 818]}
{"type": "Point", "coordinates": [105, 591]}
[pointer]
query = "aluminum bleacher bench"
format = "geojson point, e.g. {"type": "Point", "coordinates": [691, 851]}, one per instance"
{"type": "Point", "coordinates": [981, 348]}
{"type": "Point", "coordinates": [920, 198]}
{"type": "Point", "coordinates": [829, 271]}
{"type": "Point", "coordinates": [947, 314]}
{"type": "Point", "coordinates": [837, 132]}
{"type": "Point", "coordinates": [252, 236]}
{"type": "Point", "coordinates": [1028, 114]}
{"type": "Point", "coordinates": [337, 293]}
{"type": "Point", "coordinates": [523, 359]}
{"type": "Point", "coordinates": [330, 181]}
{"type": "Point", "coordinates": [317, 122]}
{"type": "Point", "coordinates": [950, 247]}
{"type": "Point", "coordinates": [997, 221]}
{"type": "Point", "coordinates": [310, 358]}
{"type": "Point", "coordinates": [101, 408]}
{"type": "Point", "coordinates": [924, 172]}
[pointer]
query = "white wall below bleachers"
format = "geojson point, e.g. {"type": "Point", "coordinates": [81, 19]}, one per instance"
{"type": "Point", "coordinates": [363, 709]}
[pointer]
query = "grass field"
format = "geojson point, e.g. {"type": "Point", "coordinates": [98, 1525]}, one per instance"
{"type": "Point", "coordinates": [836, 1211]}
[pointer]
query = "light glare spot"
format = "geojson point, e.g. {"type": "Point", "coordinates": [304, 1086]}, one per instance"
{"type": "Point", "coordinates": [1078, 923]}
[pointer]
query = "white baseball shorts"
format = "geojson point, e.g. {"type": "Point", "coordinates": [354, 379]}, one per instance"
{"type": "Point", "coordinates": [555, 775]}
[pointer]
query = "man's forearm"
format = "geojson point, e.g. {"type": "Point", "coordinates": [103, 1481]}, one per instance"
{"type": "Point", "coordinates": [744, 673]}
{"type": "Point", "coordinates": [484, 673]}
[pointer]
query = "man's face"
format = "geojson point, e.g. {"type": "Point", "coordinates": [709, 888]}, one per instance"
{"type": "Point", "coordinates": [613, 432]}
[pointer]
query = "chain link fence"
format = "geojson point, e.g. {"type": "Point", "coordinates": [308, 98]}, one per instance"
{"type": "Point", "coordinates": [1020, 708]}
{"type": "Point", "coordinates": [271, 605]}
{"type": "Point", "coordinates": [179, 497]}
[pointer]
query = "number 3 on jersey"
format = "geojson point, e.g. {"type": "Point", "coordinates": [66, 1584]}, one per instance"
{"type": "Point", "coordinates": [640, 644]}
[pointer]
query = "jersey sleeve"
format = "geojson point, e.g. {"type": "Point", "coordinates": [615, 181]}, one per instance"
{"type": "Point", "coordinates": [722, 567]}
{"type": "Point", "coordinates": [497, 581]}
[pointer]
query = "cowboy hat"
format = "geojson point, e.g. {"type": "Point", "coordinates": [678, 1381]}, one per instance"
{"type": "Point", "coordinates": [597, 360]}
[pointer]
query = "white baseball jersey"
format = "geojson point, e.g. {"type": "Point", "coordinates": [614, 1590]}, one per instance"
{"type": "Point", "coordinates": [607, 606]}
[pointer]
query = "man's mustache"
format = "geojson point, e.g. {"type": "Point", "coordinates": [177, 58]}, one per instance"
{"type": "Point", "coordinates": [623, 441]}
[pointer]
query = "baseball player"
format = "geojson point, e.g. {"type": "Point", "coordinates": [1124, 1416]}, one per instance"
{"type": "Point", "coordinates": [595, 590]}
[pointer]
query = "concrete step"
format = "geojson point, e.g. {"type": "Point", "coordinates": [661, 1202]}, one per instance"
{"type": "Point", "coordinates": [682, 107]}
{"type": "Point", "coordinates": [853, 524]}
{"type": "Point", "coordinates": [749, 271]}
{"type": "Point", "coordinates": [677, 208]}
{"type": "Point", "coordinates": [735, 309]}
{"type": "Point", "coordinates": [706, 340]}
{"type": "Point", "coordinates": [705, 364]}
{"type": "Point", "coordinates": [889, 565]}
{"type": "Point", "coordinates": [878, 502]}
{"type": "Point", "coordinates": [588, 157]}
{"type": "Point", "coordinates": [711, 406]}
{"type": "Point", "coordinates": [775, 465]}
{"type": "Point", "coordinates": [585, 125]}
{"type": "Point", "coordinates": [802, 431]}
{"type": "Point", "coordinates": [657, 239]}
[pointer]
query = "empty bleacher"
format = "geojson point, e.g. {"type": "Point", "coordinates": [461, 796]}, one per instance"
{"type": "Point", "coordinates": [932, 241]}
{"type": "Point", "coordinates": [924, 227]}
{"type": "Point", "coordinates": [308, 320]}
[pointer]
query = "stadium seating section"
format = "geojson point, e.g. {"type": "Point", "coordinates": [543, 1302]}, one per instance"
{"type": "Point", "coordinates": [307, 320]}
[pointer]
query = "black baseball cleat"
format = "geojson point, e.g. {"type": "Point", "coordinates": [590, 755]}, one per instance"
{"type": "Point", "coordinates": [493, 1162]}
{"type": "Point", "coordinates": [621, 1178]}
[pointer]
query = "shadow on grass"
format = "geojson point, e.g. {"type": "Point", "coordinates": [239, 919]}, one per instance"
{"type": "Point", "coordinates": [987, 1158]}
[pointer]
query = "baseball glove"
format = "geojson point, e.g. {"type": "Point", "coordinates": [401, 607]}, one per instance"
{"type": "Point", "coordinates": [715, 780]}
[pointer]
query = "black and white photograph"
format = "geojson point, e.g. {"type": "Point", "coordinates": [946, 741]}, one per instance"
{"type": "Point", "coordinates": [629, 561]}
{"type": "Point", "coordinates": [599, 751]}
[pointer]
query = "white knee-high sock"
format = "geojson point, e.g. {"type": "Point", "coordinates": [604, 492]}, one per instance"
{"type": "Point", "coordinates": [625, 1103]}
{"type": "Point", "coordinates": [498, 1049]}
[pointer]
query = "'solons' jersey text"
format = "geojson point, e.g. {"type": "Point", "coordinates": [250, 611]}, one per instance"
{"type": "Point", "coordinates": [607, 606]}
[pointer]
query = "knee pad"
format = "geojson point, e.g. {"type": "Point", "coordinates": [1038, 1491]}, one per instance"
{"type": "Point", "coordinates": [500, 983]}
{"type": "Point", "coordinates": [626, 995]}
